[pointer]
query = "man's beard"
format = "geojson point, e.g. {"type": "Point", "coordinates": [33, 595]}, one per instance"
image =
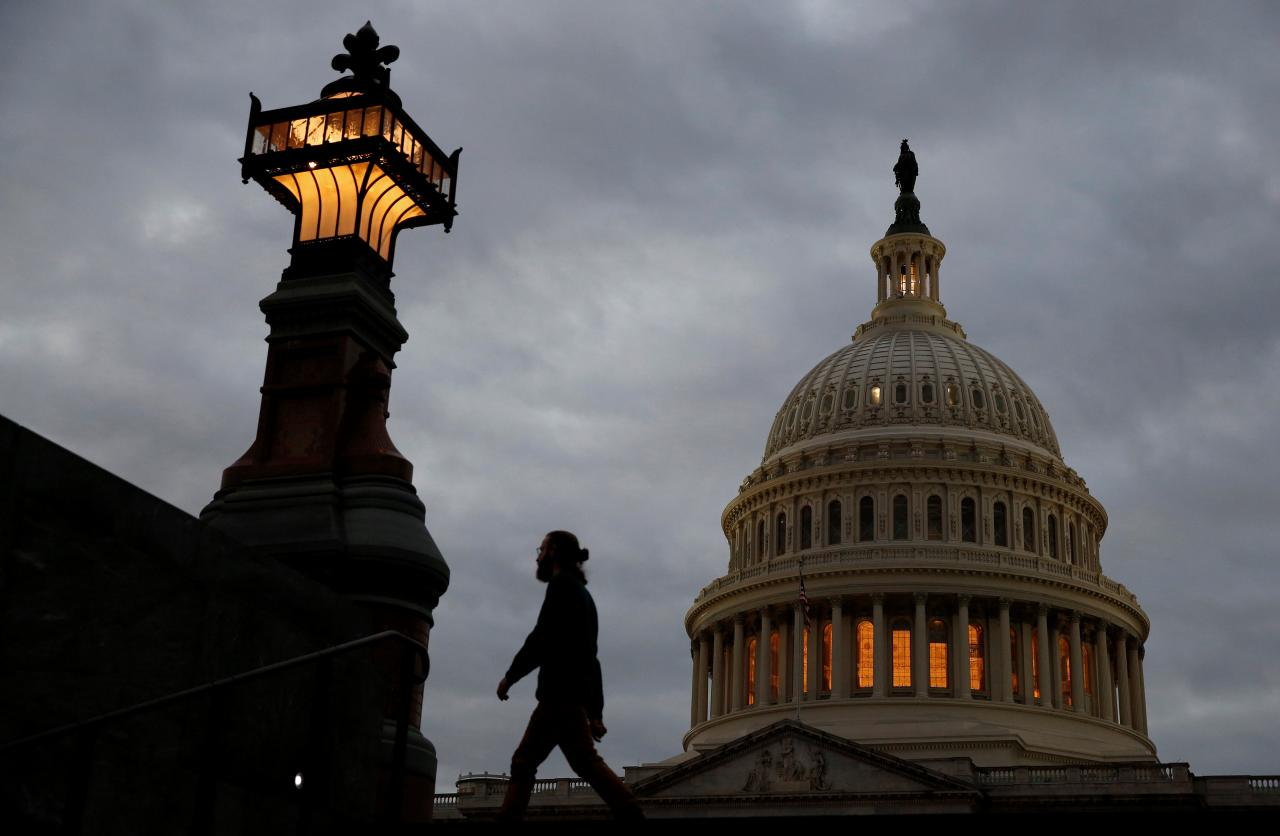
{"type": "Point", "coordinates": [545, 572]}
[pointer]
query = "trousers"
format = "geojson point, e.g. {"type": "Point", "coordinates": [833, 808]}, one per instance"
{"type": "Point", "coordinates": [564, 725]}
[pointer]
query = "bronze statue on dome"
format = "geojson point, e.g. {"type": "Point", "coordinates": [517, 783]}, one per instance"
{"type": "Point", "coordinates": [905, 170]}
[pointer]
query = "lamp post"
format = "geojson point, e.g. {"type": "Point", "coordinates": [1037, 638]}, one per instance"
{"type": "Point", "coordinates": [322, 487]}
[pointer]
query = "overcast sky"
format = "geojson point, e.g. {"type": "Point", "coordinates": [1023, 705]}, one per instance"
{"type": "Point", "coordinates": [666, 209]}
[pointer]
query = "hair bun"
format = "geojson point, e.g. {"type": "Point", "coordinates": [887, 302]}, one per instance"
{"type": "Point", "coordinates": [583, 554]}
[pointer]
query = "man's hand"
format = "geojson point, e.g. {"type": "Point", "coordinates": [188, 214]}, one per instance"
{"type": "Point", "coordinates": [503, 687]}
{"type": "Point", "coordinates": [598, 730]}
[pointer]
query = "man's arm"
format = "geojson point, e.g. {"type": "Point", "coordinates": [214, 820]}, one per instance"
{"type": "Point", "coordinates": [534, 649]}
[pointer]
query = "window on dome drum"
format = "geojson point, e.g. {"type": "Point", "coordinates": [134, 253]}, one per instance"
{"type": "Point", "coordinates": [952, 394]}
{"type": "Point", "coordinates": [1028, 529]}
{"type": "Point", "coordinates": [979, 399]}
{"type": "Point", "coordinates": [900, 517]}
{"type": "Point", "coordinates": [1071, 543]}
{"type": "Point", "coordinates": [1064, 663]}
{"type": "Point", "coordinates": [806, 528]}
{"type": "Point", "coordinates": [934, 515]}
{"type": "Point", "coordinates": [926, 393]}
{"type": "Point", "coordinates": [900, 393]}
{"type": "Point", "coordinates": [1014, 679]}
{"type": "Point", "coordinates": [873, 395]}
{"type": "Point", "coordinates": [938, 667]}
{"type": "Point", "coordinates": [1035, 664]}
{"type": "Point", "coordinates": [827, 400]}
{"type": "Point", "coordinates": [851, 396]}
{"type": "Point", "coordinates": [968, 520]}
{"type": "Point", "coordinates": [773, 665]}
{"type": "Point", "coordinates": [977, 659]}
{"type": "Point", "coordinates": [1086, 661]}
{"type": "Point", "coordinates": [901, 636]}
{"type": "Point", "coordinates": [825, 685]}
{"type": "Point", "coordinates": [752, 648]}
{"type": "Point", "coordinates": [999, 399]}
{"type": "Point", "coordinates": [866, 519]}
{"type": "Point", "coordinates": [760, 540]}
{"type": "Point", "coordinates": [1017, 406]}
{"type": "Point", "coordinates": [1053, 537]}
{"type": "Point", "coordinates": [833, 523]}
{"type": "Point", "coordinates": [999, 518]}
{"type": "Point", "coordinates": [780, 544]}
{"type": "Point", "coordinates": [866, 653]}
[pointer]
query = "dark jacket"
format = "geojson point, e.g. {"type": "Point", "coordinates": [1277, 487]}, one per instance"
{"type": "Point", "coordinates": [563, 647]}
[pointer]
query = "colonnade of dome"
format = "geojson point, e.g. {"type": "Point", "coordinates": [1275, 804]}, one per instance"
{"type": "Point", "coordinates": [913, 566]}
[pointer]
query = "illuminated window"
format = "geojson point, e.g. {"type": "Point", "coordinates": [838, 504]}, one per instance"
{"type": "Point", "coordinates": [806, 527]}
{"type": "Point", "coordinates": [1014, 680]}
{"type": "Point", "coordinates": [901, 637]}
{"type": "Point", "coordinates": [1028, 529]}
{"type": "Point", "coordinates": [938, 654]}
{"type": "Point", "coordinates": [934, 515]}
{"type": "Point", "coordinates": [1086, 651]}
{"type": "Point", "coordinates": [1000, 519]}
{"type": "Point", "coordinates": [873, 397]}
{"type": "Point", "coordinates": [773, 666]}
{"type": "Point", "coordinates": [952, 393]}
{"type": "Point", "coordinates": [833, 523]}
{"type": "Point", "coordinates": [780, 544]}
{"type": "Point", "coordinates": [977, 659]}
{"type": "Point", "coordinates": [1035, 663]}
{"type": "Point", "coordinates": [1053, 537]}
{"type": "Point", "coordinates": [826, 657]}
{"type": "Point", "coordinates": [900, 517]}
{"type": "Point", "coordinates": [1064, 665]}
{"type": "Point", "coordinates": [752, 648]}
{"type": "Point", "coordinates": [866, 654]}
{"type": "Point", "coordinates": [866, 519]}
{"type": "Point", "coordinates": [968, 520]}
{"type": "Point", "coordinates": [804, 659]}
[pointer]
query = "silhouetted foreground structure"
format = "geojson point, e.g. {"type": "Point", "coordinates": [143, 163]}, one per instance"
{"type": "Point", "coordinates": [259, 669]}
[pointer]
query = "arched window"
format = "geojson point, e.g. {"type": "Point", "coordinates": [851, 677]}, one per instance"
{"type": "Point", "coordinates": [926, 393]}
{"type": "Point", "coordinates": [900, 392]}
{"type": "Point", "coordinates": [900, 517]}
{"type": "Point", "coordinates": [977, 658]}
{"type": "Point", "coordinates": [866, 519]}
{"type": "Point", "coordinates": [1053, 537]}
{"type": "Point", "coordinates": [1035, 664]}
{"type": "Point", "coordinates": [952, 394]}
{"type": "Point", "coordinates": [938, 667]}
{"type": "Point", "coordinates": [1071, 543]}
{"type": "Point", "coordinates": [825, 685]}
{"type": "Point", "coordinates": [1028, 530]}
{"type": "Point", "coordinates": [934, 515]}
{"type": "Point", "coordinates": [1064, 665]}
{"type": "Point", "coordinates": [1015, 681]}
{"type": "Point", "coordinates": [901, 637]}
{"type": "Point", "coordinates": [806, 528]}
{"type": "Point", "coordinates": [773, 666]}
{"type": "Point", "coordinates": [874, 395]}
{"type": "Point", "coordinates": [760, 540]}
{"type": "Point", "coordinates": [866, 653]}
{"type": "Point", "coordinates": [968, 520]}
{"type": "Point", "coordinates": [1000, 519]}
{"type": "Point", "coordinates": [752, 648]}
{"type": "Point", "coordinates": [833, 522]}
{"type": "Point", "coordinates": [780, 544]}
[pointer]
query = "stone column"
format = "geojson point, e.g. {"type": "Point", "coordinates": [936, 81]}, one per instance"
{"type": "Point", "coordinates": [797, 653]}
{"type": "Point", "coordinates": [784, 658]}
{"type": "Point", "coordinates": [920, 649]}
{"type": "Point", "coordinates": [1135, 686]}
{"type": "Point", "coordinates": [815, 657]}
{"type": "Point", "coordinates": [1122, 677]}
{"type": "Point", "coordinates": [1142, 691]}
{"type": "Point", "coordinates": [693, 689]}
{"type": "Point", "coordinates": [961, 663]}
{"type": "Point", "coordinates": [1077, 666]}
{"type": "Point", "coordinates": [839, 652]}
{"type": "Point", "coordinates": [738, 679]}
{"type": "Point", "coordinates": [717, 671]}
{"type": "Point", "coordinates": [764, 659]}
{"type": "Point", "coordinates": [880, 659]}
{"type": "Point", "coordinates": [1046, 670]}
{"type": "Point", "coordinates": [1005, 692]}
{"type": "Point", "coordinates": [1106, 690]}
{"type": "Point", "coordinates": [703, 661]}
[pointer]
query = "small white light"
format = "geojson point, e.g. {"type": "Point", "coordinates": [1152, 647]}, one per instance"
{"type": "Point", "coordinates": [297, 781]}
{"type": "Point", "coordinates": [311, 164]}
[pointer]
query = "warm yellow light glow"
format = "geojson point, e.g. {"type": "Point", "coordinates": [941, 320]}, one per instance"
{"type": "Point", "coordinates": [826, 657]}
{"type": "Point", "coordinates": [866, 654]}
{"type": "Point", "coordinates": [804, 665]}
{"type": "Point", "coordinates": [875, 395]}
{"type": "Point", "coordinates": [901, 658]}
{"type": "Point", "coordinates": [1064, 660]}
{"type": "Point", "coordinates": [937, 654]}
{"type": "Point", "coordinates": [977, 660]}
{"type": "Point", "coordinates": [356, 199]}
{"type": "Point", "coordinates": [752, 646]}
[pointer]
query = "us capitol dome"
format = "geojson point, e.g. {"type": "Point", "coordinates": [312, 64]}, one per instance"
{"type": "Point", "coordinates": [913, 487]}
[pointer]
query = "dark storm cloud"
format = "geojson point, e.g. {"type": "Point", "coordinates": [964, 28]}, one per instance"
{"type": "Point", "coordinates": [666, 211]}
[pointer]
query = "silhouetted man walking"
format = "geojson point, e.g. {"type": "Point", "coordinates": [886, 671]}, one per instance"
{"type": "Point", "coordinates": [570, 695]}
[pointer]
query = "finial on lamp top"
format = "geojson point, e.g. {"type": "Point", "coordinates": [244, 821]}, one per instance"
{"type": "Point", "coordinates": [364, 58]}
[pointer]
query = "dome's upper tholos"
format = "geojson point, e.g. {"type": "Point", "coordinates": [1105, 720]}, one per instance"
{"type": "Point", "coordinates": [906, 376]}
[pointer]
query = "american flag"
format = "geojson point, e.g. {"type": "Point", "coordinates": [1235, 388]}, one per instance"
{"type": "Point", "coordinates": [804, 599]}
